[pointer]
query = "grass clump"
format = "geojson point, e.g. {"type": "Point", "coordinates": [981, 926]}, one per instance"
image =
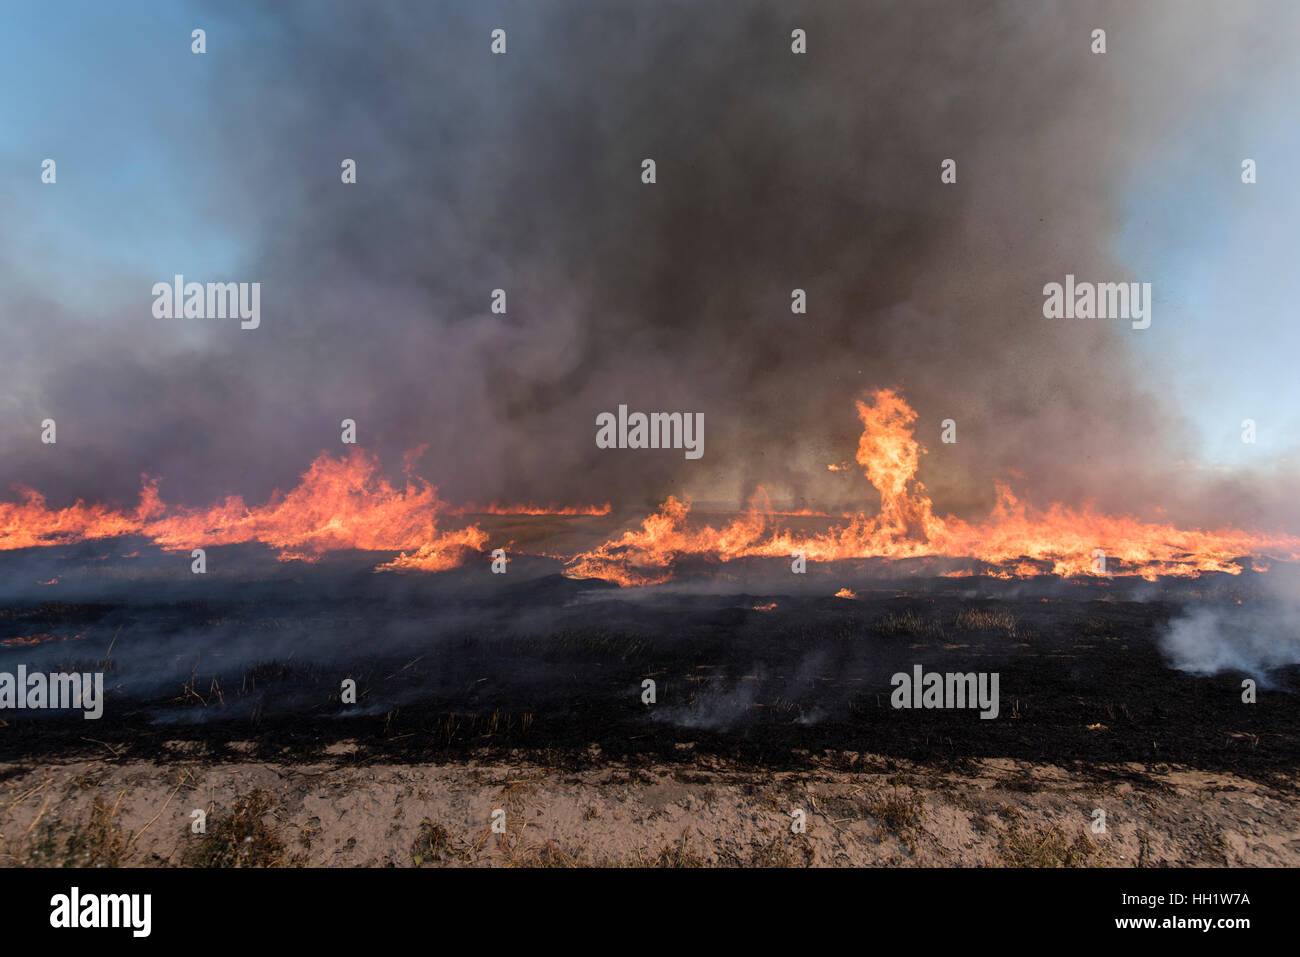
{"type": "Point", "coordinates": [434, 843]}
{"type": "Point", "coordinates": [678, 854]}
{"type": "Point", "coordinates": [240, 838]}
{"type": "Point", "coordinates": [1047, 847]}
{"type": "Point", "coordinates": [899, 815]}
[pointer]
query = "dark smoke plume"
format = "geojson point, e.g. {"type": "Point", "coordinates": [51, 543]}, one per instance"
{"type": "Point", "coordinates": [775, 171]}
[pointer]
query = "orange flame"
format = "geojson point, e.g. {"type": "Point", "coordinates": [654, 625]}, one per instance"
{"type": "Point", "coordinates": [29, 523]}
{"type": "Point", "coordinates": [338, 503]}
{"type": "Point", "coordinates": [1020, 540]}
{"type": "Point", "coordinates": [346, 503]}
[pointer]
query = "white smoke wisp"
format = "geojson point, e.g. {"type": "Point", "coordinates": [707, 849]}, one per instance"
{"type": "Point", "coordinates": [1254, 638]}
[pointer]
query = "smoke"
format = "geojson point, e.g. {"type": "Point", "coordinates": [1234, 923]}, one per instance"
{"type": "Point", "coordinates": [719, 707]}
{"type": "Point", "coordinates": [1254, 636]}
{"type": "Point", "coordinates": [775, 172]}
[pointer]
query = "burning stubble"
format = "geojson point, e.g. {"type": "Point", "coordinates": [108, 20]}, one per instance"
{"type": "Point", "coordinates": [347, 503]}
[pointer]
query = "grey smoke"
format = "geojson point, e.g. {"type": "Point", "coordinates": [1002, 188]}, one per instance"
{"type": "Point", "coordinates": [1255, 637]}
{"type": "Point", "coordinates": [775, 171]}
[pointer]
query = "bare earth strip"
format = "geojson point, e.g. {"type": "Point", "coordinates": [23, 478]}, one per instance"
{"type": "Point", "coordinates": [991, 813]}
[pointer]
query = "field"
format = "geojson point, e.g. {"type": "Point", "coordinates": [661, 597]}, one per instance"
{"type": "Point", "coordinates": [769, 701]}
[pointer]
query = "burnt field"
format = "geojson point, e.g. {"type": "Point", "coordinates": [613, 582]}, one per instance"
{"type": "Point", "coordinates": [451, 668]}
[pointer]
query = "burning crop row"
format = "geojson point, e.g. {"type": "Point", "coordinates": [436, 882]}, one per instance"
{"type": "Point", "coordinates": [346, 503]}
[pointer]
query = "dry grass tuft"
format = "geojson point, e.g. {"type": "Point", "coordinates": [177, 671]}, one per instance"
{"type": "Point", "coordinates": [987, 619]}
{"type": "Point", "coordinates": [899, 815]}
{"type": "Point", "coordinates": [239, 839]}
{"type": "Point", "coordinates": [1047, 847]}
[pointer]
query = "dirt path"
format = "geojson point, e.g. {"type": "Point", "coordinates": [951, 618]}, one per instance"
{"type": "Point", "coordinates": [995, 813]}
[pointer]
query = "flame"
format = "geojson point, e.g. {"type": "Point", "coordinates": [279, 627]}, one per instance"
{"type": "Point", "coordinates": [29, 522]}
{"type": "Point", "coordinates": [342, 503]}
{"type": "Point", "coordinates": [347, 503]}
{"type": "Point", "coordinates": [448, 551]}
{"type": "Point", "coordinates": [25, 641]}
{"type": "Point", "coordinates": [1019, 540]}
{"type": "Point", "coordinates": [338, 503]}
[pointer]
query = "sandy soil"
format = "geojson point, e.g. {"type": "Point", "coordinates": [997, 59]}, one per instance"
{"type": "Point", "coordinates": [705, 813]}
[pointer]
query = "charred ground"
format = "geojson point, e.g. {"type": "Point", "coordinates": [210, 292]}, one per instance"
{"type": "Point", "coordinates": [551, 671]}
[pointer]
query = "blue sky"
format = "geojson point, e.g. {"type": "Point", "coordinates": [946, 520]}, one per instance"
{"type": "Point", "coordinates": [107, 91]}
{"type": "Point", "coordinates": [1221, 257]}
